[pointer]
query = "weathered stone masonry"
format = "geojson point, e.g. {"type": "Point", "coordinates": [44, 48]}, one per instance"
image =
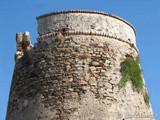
{"type": "Point", "coordinates": [73, 72]}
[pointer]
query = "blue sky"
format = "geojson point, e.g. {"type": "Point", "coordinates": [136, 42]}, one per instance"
{"type": "Point", "coordinates": [20, 15]}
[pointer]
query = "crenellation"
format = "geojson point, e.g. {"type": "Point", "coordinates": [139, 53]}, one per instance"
{"type": "Point", "coordinates": [23, 44]}
{"type": "Point", "coordinates": [19, 39]}
{"type": "Point", "coordinates": [26, 41]}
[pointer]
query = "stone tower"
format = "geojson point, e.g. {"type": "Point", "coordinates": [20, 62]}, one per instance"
{"type": "Point", "coordinates": [73, 72]}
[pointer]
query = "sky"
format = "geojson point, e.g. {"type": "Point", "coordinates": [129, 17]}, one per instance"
{"type": "Point", "coordinates": [20, 16]}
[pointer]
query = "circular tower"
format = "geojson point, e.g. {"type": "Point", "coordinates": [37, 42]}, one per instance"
{"type": "Point", "coordinates": [74, 71]}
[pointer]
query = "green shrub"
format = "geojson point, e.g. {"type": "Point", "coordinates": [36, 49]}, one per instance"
{"type": "Point", "coordinates": [131, 70]}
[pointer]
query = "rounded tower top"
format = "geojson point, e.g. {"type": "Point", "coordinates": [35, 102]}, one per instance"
{"type": "Point", "coordinates": [86, 21]}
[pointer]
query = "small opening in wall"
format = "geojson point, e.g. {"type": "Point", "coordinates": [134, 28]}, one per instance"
{"type": "Point", "coordinates": [64, 30]}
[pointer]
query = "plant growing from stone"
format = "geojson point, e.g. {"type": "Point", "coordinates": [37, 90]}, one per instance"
{"type": "Point", "coordinates": [130, 70]}
{"type": "Point", "coordinates": [146, 99]}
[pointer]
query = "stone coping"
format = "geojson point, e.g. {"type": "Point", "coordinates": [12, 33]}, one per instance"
{"type": "Point", "coordinates": [53, 34]}
{"type": "Point", "coordinates": [87, 12]}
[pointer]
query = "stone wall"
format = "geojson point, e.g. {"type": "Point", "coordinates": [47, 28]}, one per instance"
{"type": "Point", "coordinates": [86, 21]}
{"type": "Point", "coordinates": [75, 75]}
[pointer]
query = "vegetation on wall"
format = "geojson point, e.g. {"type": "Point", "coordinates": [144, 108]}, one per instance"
{"type": "Point", "coordinates": [146, 98]}
{"type": "Point", "coordinates": [131, 71]}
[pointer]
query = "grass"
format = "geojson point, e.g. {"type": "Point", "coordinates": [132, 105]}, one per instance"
{"type": "Point", "coordinates": [130, 70]}
{"type": "Point", "coordinates": [146, 99]}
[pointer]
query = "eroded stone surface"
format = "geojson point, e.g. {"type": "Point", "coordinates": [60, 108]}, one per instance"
{"type": "Point", "coordinates": [76, 79]}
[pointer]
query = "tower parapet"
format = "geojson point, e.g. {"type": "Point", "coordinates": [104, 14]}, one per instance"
{"type": "Point", "coordinates": [81, 22]}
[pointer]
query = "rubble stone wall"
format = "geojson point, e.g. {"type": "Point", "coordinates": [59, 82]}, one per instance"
{"type": "Point", "coordinates": [77, 78]}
